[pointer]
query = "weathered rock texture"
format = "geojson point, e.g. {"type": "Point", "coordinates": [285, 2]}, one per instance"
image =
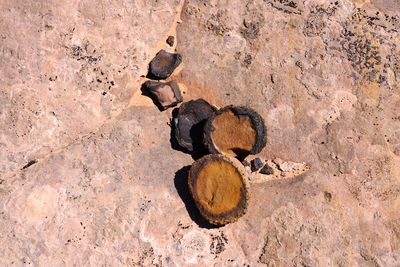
{"type": "Point", "coordinates": [66, 68]}
{"type": "Point", "coordinates": [106, 189]}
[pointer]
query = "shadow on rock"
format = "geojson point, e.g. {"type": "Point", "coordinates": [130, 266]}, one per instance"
{"type": "Point", "coordinates": [181, 185]}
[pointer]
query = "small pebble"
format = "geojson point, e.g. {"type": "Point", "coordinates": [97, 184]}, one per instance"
{"type": "Point", "coordinates": [256, 164]}
{"type": "Point", "coordinates": [267, 170]}
{"type": "Point", "coordinates": [171, 40]}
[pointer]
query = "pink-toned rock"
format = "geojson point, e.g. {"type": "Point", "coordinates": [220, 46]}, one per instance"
{"type": "Point", "coordinates": [107, 188]}
{"type": "Point", "coordinates": [165, 95]}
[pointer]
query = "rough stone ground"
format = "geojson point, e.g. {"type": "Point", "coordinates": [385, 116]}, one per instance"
{"type": "Point", "coordinates": [106, 188]}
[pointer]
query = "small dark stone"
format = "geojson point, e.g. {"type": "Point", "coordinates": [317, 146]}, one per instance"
{"type": "Point", "coordinates": [189, 123]}
{"type": "Point", "coordinates": [267, 170]}
{"type": "Point", "coordinates": [256, 164]}
{"type": "Point", "coordinates": [30, 163]}
{"type": "Point", "coordinates": [163, 64]}
{"type": "Point", "coordinates": [171, 40]}
{"type": "Point", "coordinates": [165, 95]}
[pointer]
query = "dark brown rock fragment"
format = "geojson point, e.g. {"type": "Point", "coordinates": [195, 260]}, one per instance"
{"type": "Point", "coordinates": [163, 64]}
{"type": "Point", "coordinates": [170, 40]}
{"type": "Point", "coordinates": [235, 131]}
{"type": "Point", "coordinates": [189, 123]}
{"type": "Point", "coordinates": [267, 170]}
{"type": "Point", "coordinates": [165, 95]}
{"type": "Point", "coordinates": [220, 188]}
{"type": "Point", "coordinates": [256, 164]}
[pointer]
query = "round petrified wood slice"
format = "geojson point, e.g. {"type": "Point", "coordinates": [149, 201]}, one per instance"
{"type": "Point", "coordinates": [219, 186]}
{"type": "Point", "coordinates": [235, 131]}
{"type": "Point", "coordinates": [189, 123]}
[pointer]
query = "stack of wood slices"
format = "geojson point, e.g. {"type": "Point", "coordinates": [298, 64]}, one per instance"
{"type": "Point", "coordinates": [218, 181]}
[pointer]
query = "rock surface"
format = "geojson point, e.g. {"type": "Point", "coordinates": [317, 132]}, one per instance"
{"type": "Point", "coordinates": [102, 184]}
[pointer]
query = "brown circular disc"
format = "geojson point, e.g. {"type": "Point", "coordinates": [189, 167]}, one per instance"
{"type": "Point", "coordinates": [235, 131]}
{"type": "Point", "coordinates": [220, 189]}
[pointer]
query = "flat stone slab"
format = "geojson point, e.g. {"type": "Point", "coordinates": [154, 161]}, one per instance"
{"type": "Point", "coordinates": [107, 188]}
